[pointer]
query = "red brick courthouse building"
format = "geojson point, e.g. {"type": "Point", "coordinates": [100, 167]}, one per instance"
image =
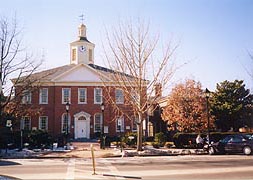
{"type": "Point", "coordinates": [81, 84]}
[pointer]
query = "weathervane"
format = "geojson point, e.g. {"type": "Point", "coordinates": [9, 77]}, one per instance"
{"type": "Point", "coordinates": [82, 18]}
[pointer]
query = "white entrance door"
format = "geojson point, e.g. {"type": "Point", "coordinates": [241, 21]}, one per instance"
{"type": "Point", "coordinates": [82, 125]}
{"type": "Point", "coordinates": [81, 129]}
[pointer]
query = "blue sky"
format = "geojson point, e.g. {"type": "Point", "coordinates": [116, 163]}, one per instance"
{"type": "Point", "coordinates": [214, 36]}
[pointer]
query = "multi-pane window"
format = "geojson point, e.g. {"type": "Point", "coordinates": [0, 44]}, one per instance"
{"type": "Point", "coordinates": [134, 124]}
{"type": "Point", "coordinates": [135, 98]}
{"type": "Point", "coordinates": [119, 96]}
{"type": "Point", "coordinates": [65, 123]}
{"type": "Point", "coordinates": [26, 123]}
{"type": "Point", "coordinates": [97, 96]}
{"type": "Point", "coordinates": [44, 96]}
{"type": "Point", "coordinates": [82, 95]}
{"type": "Point", "coordinates": [97, 122]}
{"type": "Point", "coordinates": [27, 97]}
{"type": "Point", "coordinates": [120, 124]}
{"type": "Point", "coordinates": [43, 122]}
{"type": "Point", "coordinates": [66, 94]}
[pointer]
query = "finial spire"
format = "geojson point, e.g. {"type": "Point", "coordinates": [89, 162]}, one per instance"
{"type": "Point", "coordinates": [82, 18]}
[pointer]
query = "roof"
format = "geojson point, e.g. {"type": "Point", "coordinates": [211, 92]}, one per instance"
{"type": "Point", "coordinates": [81, 39]}
{"type": "Point", "coordinates": [51, 74]}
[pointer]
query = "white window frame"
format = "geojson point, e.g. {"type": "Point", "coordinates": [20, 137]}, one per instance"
{"type": "Point", "coordinates": [79, 95]}
{"type": "Point", "coordinates": [119, 96]}
{"type": "Point", "coordinates": [96, 124]}
{"type": "Point", "coordinates": [134, 123]}
{"type": "Point", "coordinates": [27, 97]}
{"type": "Point", "coordinates": [42, 96]}
{"type": "Point", "coordinates": [41, 121]}
{"type": "Point", "coordinates": [67, 99]}
{"type": "Point", "coordinates": [64, 122]}
{"type": "Point", "coordinates": [98, 96]}
{"type": "Point", "coordinates": [120, 122]}
{"type": "Point", "coordinates": [22, 125]}
{"type": "Point", "coordinates": [135, 98]}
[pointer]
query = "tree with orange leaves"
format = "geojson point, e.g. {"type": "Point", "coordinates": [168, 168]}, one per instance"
{"type": "Point", "coordinates": [186, 108]}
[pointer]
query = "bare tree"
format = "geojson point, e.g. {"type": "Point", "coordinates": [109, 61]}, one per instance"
{"type": "Point", "coordinates": [14, 62]}
{"type": "Point", "coordinates": [250, 71]}
{"type": "Point", "coordinates": [139, 64]}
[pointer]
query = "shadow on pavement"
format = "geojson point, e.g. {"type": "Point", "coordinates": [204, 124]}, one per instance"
{"type": "Point", "coordinates": [121, 176]}
{"type": "Point", "coordinates": [8, 163]}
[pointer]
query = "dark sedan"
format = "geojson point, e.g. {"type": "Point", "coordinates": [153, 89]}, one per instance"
{"type": "Point", "coordinates": [237, 143]}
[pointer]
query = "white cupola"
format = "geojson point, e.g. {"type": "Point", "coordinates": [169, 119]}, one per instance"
{"type": "Point", "coordinates": [82, 50]}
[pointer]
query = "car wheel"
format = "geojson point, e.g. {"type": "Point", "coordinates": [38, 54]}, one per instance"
{"type": "Point", "coordinates": [211, 150]}
{"type": "Point", "coordinates": [247, 150]}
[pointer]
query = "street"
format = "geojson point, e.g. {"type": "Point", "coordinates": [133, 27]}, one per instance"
{"type": "Point", "coordinates": [165, 167]}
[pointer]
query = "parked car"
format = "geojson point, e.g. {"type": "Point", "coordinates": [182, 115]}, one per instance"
{"type": "Point", "coordinates": [237, 143]}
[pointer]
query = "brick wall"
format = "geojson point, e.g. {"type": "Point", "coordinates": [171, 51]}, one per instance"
{"type": "Point", "coordinates": [55, 109]}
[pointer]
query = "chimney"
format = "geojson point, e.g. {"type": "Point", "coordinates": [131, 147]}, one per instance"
{"type": "Point", "coordinates": [158, 90]}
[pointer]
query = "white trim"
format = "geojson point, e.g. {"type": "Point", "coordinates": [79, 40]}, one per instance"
{"type": "Point", "coordinates": [27, 97]}
{"type": "Point", "coordinates": [22, 124]}
{"type": "Point", "coordinates": [85, 125]}
{"type": "Point", "coordinates": [120, 99]}
{"type": "Point", "coordinates": [62, 96]}
{"type": "Point", "coordinates": [40, 96]}
{"type": "Point", "coordinates": [77, 66]}
{"type": "Point", "coordinates": [120, 121]}
{"type": "Point", "coordinates": [100, 114]}
{"type": "Point", "coordinates": [62, 122]}
{"type": "Point", "coordinates": [46, 128]}
{"type": "Point", "coordinates": [101, 96]}
{"type": "Point", "coordinates": [85, 89]}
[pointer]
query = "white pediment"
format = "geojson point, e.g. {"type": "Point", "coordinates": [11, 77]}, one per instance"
{"type": "Point", "coordinates": [86, 115]}
{"type": "Point", "coordinates": [79, 73]}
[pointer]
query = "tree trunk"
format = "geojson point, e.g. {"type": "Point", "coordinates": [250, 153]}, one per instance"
{"type": "Point", "coordinates": [139, 133]}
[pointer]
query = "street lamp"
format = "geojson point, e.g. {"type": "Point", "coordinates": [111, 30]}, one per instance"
{"type": "Point", "coordinates": [67, 114]}
{"type": "Point", "coordinates": [102, 138]}
{"type": "Point", "coordinates": [208, 93]}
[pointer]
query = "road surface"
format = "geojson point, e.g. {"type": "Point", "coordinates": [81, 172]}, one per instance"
{"type": "Point", "coordinates": [165, 167]}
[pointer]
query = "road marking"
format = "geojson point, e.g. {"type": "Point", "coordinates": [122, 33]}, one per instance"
{"type": "Point", "coordinates": [71, 169]}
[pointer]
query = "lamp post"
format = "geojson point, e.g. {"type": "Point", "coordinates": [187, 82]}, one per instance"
{"type": "Point", "coordinates": [67, 126]}
{"type": "Point", "coordinates": [207, 93]}
{"type": "Point", "coordinates": [102, 139]}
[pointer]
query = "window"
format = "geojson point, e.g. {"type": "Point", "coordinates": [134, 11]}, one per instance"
{"type": "Point", "coordinates": [119, 96]}
{"type": "Point", "coordinates": [120, 124]}
{"type": "Point", "coordinates": [82, 96]}
{"type": "Point", "coordinates": [90, 55]}
{"type": "Point", "coordinates": [43, 122]}
{"type": "Point", "coordinates": [97, 96]}
{"type": "Point", "coordinates": [134, 124]}
{"type": "Point", "coordinates": [97, 122]}
{"type": "Point", "coordinates": [26, 123]}
{"type": "Point", "coordinates": [73, 54]}
{"type": "Point", "coordinates": [66, 93]}
{"type": "Point", "coordinates": [27, 97]}
{"type": "Point", "coordinates": [43, 96]}
{"type": "Point", "coordinates": [135, 96]}
{"type": "Point", "coordinates": [65, 123]}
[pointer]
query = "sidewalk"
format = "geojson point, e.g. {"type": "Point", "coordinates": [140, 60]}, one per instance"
{"type": "Point", "coordinates": [82, 150]}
